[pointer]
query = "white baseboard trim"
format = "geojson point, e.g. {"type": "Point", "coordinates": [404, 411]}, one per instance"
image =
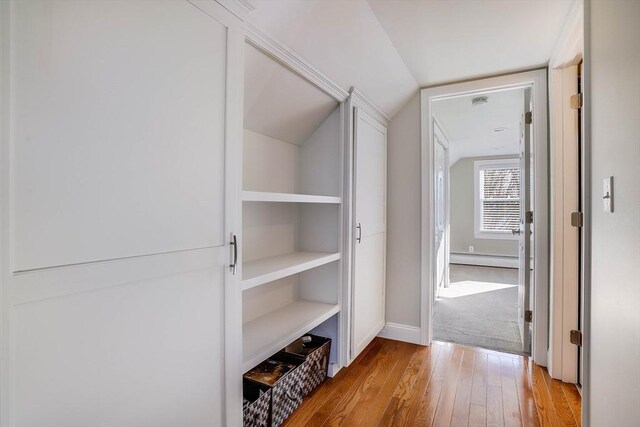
{"type": "Point", "coordinates": [398, 332]}
{"type": "Point", "coordinates": [484, 260]}
{"type": "Point", "coordinates": [333, 369]}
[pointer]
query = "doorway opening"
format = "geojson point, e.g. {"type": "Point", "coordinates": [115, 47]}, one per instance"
{"type": "Point", "coordinates": [478, 170]}
{"type": "Point", "coordinates": [485, 219]}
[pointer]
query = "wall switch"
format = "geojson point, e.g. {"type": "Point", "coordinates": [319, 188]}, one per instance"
{"type": "Point", "coordinates": [607, 193]}
{"type": "Point", "coordinates": [471, 249]}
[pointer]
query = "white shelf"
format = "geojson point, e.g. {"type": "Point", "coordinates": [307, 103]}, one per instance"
{"type": "Point", "coordinates": [268, 334]}
{"type": "Point", "coordinates": [259, 196]}
{"type": "Point", "coordinates": [261, 271]}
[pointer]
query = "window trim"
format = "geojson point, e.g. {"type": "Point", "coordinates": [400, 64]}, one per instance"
{"type": "Point", "coordinates": [479, 165]}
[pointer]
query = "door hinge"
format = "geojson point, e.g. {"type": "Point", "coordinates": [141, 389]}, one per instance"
{"type": "Point", "coordinates": [577, 219]}
{"type": "Point", "coordinates": [528, 117]}
{"type": "Point", "coordinates": [528, 316]}
{"type": "Point", "coordinates": [575, 101]}
{"type": "Point", "coordinates": [528, 217]}
{"type": "Point", "coordinates": [575, 337]}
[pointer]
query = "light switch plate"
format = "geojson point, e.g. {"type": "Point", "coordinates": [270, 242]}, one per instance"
{"type": "Point", "coordinates": [607, 193]}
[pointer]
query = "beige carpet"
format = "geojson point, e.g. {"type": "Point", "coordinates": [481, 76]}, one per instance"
{"type": "Point", "coordinates": [479, 308]}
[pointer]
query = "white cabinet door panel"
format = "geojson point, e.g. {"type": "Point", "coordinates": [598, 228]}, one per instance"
{"type": "Point", "coordinates": [370, 185]}
{"type": "Point", "coordinates": [368, 291]}
{"type": "Point", "coordinates": [117, 130]}
{"type": "Point", "coordinates": [145, 353]}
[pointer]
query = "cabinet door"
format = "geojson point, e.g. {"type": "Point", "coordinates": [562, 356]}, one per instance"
{"type": "Point", "coordinates": [113, 278]}
{"type": "Point", "coordinates": [370, 186]}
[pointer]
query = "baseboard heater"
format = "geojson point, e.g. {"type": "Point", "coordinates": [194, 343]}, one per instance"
{"type": "Point", "coordinates": [484, 260]}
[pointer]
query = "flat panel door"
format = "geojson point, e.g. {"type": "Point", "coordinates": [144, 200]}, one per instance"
{"type": "Point", "coordinates": [440, 177]}
{"type": "Point", "coordinates": [524, 232]}
{"type": "Point", "coordinates": [370, 184]}
{"type": "Point", "coordinates": [115, 198]}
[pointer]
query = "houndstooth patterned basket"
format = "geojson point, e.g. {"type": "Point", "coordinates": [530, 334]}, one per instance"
{"type": "Point", "coordinates": [314, 369]}
{"type": "Point", "coordinates": [256, 413]}
{"type": "Point", "coordinates": [286, 396]}
{"type": "Point", "coordinates": [317, 364]}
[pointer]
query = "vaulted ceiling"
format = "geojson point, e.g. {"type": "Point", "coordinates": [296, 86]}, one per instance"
{"type": "Point", "coordinates": [390, 48]}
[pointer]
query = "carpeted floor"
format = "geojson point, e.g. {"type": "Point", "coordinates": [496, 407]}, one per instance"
{"type": "Point", "coordinates": [479, 308]}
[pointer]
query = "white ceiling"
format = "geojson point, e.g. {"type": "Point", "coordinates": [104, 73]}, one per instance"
{"type": "Point", "coordinates": [389, 48]}
{"type": "Point", "coordinates": [446, 41]}
{"type": "Point", "coordinates": [343, 40]}
{"type": "Point", "coordinates": [470, 129]}
{"type": "Point", "coordinates": [290, 115]}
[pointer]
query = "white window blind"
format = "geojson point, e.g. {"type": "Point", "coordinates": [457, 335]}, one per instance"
{"type": "Point", "coordinates": [498, 197]}
{"type": "Point", "coordinates": [500, 194]}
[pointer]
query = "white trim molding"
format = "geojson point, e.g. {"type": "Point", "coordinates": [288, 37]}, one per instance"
{"type": "Point", "coordinates": [398, 332]}
{"type": "Point", "coordinates": [537, 81]}
{"type": "Point", "coordinates": [485, 260]}
{"type": "Point", "coordinates": [240, 8]}
{"type": "Point", "coordinates": [285, 56]}
{"type": "Point", "coordinates": [371, 108]}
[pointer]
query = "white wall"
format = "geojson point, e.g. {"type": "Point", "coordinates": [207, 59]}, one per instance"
{"type": "Point", "coordinates": [462, 213]}
{"type": "Point", "coordinates": [403, 216]}
{"type": "Point", "coordinates": [613, 67]}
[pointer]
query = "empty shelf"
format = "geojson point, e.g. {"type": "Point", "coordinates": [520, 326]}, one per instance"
{"type": "Point", "coordinates": [268, 334]}
{"type": "Point", "coordinates": [258, 272]}
{"type": "Point", "coordinates": [259, 196]}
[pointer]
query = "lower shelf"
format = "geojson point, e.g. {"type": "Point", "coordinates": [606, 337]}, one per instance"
{"type": "Point", "coordinates": [266, 335]}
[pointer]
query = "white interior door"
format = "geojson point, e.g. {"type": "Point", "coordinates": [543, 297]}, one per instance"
{"type": "Point", "coordinates": [441, 173]}
{"type": "Point", "coordinates": [370, 186]}
{"type": "Point", "coordinates": [112, 279]}
{"type": "Point", "coordinates": [524, 231]}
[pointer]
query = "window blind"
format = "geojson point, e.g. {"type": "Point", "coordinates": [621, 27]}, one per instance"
{"type": "Point", "coordinates": [500, 197]}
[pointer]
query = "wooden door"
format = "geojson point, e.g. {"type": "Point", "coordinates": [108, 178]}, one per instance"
{"type": "Point", "coordinates": [115, 213]}
{"type": "Point", "coordinates": [370, 186]}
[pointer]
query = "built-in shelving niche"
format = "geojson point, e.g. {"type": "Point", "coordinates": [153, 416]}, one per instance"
{"type": "Point", "coordinates": [291, 210]}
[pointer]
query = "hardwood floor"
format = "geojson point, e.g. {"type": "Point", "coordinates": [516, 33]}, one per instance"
{"type": "Point", "coordinates": [393, 383]}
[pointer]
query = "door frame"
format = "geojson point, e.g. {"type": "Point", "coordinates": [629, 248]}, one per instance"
{"type": "Point", "coordinates": [537, 80]}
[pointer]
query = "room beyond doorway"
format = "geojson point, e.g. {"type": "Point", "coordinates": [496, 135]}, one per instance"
{"type": "Point", "coordinates": [482, 183]}
{"type": "Point", "coordinates": [479, 308]}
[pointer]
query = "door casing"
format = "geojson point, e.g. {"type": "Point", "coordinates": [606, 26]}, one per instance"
{"type": "Point", "coordinates": [537, 81]}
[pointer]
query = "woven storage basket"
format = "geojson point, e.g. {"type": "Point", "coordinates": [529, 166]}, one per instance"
{"type": "Point", "coordinates": [316, 360]}
{"type": "Point", "coordinates": [257, 404]}
{"type": "Point", "coordinates": [287, 394]}
{"type": "Point", "coordinates": [282, 374]}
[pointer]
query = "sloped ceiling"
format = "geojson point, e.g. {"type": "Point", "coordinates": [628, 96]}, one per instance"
{"type": "Point", "coordinates": [390, 48]}
{"type": "Point", "coordinates": [345, 41]}
{"type": "Point", "coordinates": [290, 115]}
{"type": "Point", "coordinates": [470, 129]}
{"type": "Point", "coordinates": [446, 41]}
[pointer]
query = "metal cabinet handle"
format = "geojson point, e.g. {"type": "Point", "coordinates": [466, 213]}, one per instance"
{"type": "Point", "coordinates": [234, 242]}
{"type": "Point", "coordinates": [359, 228]}
{"type": "Point", "coordinates": [515, 231]}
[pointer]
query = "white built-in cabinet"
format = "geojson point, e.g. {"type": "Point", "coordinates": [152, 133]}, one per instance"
{"type": "Point", "coordinates": [180, 197]}
{"type": "Point", "coordinates": [369, 227]}
{"type": "Point", "coordinates": [117, 204]}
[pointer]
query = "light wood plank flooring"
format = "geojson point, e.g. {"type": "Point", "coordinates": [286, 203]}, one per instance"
{"type": "Point", "coordinates": [394, 383]}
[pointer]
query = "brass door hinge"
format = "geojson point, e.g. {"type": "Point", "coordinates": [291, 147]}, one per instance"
{"type": "Point", "coordinates": [575, 337]}
{"type": "Point", "coordinates": [577, 219]}
{"type": "Point", "coordinates": [528, 117]}
{"type": "Point", "coordinates": [575, 101]}
{"type": "Point", "coordinates": [528, 217]}
{"type": "Point", "coordinates": [528, 316]}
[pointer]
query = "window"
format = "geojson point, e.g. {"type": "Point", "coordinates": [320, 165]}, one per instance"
{"type": "Point", "coordinates": [497, 198]}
